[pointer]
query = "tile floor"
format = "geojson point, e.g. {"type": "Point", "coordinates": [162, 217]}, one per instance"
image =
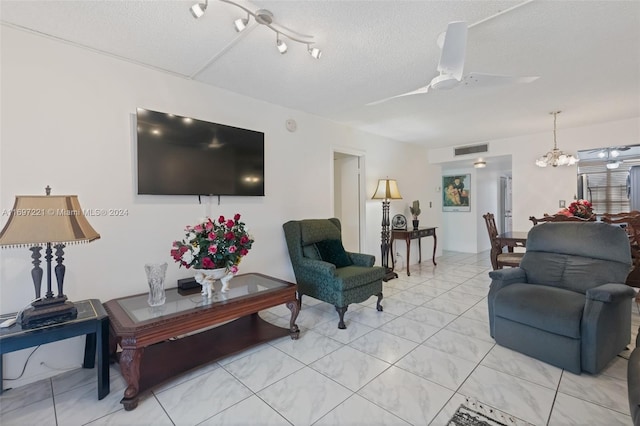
{"type": "Point", "coordinates": [413, 364]}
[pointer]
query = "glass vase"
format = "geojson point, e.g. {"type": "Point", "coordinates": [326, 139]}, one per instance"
{"type": "Point", "coordinates": [155, 277]}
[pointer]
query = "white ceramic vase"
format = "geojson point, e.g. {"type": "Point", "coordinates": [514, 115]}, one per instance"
{"type": "Point", "coordinates": [206, 278]}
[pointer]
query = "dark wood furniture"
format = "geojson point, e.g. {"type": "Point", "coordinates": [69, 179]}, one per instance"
{"type": "Point", "coordinates": [560, 218]}
{"type": "Point", "coordinates": [92, 320]}
{"type": "Point", "coordinates": [631, 223]}
{"type": "Point", "coordinates": [510, 240]}
{"type": "Point", "coordinates": [513, 239]}
{"type": "Point", "coordinates": [159, 342]}
{"type": "Point", "coordinates": [407, 236]}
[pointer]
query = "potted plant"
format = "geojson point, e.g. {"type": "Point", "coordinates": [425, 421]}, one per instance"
{"type": "Point", "coordinates": [415, 212]}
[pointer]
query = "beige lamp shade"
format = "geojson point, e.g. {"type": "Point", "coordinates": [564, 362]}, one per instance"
{"type": "Point", "coordinates": [40, 219]}
{"type": "Point", "coordinates": [387, 190]}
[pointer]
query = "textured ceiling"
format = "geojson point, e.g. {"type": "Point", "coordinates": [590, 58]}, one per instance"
{"type": "Point", "coordinates": [587, 54]}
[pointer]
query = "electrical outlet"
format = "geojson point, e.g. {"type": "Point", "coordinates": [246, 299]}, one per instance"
{"type": "Point", "coordinates": [562, 204]}
{"type": "Point", "coordinates": [398, 254]}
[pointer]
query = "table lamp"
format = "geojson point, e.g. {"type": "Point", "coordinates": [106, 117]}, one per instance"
{"type": "Point", "coordinates": [387, 190]}
{"type": "Point", "coordinates": [51, 221]}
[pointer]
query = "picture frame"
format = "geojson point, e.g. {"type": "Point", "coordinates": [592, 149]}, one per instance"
{"type": "Point", "coordinates": [456, 193]}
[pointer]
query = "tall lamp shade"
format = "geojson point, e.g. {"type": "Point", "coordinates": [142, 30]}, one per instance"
{"type": "Point", "coordinates": [42, 219]}
{"type": "Point", "coordinates": [387, 190]}
{"type": "Point", "coordinates": [48, 220]}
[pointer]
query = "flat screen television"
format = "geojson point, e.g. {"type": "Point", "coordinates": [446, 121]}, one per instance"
{"type": "Point", "coordinates": [184, 156]}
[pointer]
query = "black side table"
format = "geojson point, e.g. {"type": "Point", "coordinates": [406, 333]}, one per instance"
{"type": "Point", "coordinates": [92, 320]}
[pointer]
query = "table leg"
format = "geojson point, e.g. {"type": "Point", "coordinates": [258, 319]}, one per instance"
{"type": "Point", "coordinates": [89, 351]}
{"type": "Point", "coordinates": [393, 259]}
{"type": "Point", "coordinates": [435, 244]}
{"type": "Point", "coordinates": [408, 241]}
{"type": "Point", "coordinates": [130, 367]}
{"type": "Point", "coordinates": [102, 346]}
{"type": "Point", "coordinates": [293, 328]}
{"type": "Point", "coordinates": [419, 250]}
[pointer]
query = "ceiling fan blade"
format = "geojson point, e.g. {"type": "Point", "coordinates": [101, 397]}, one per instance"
{"type": "Point", "coordinates": [476, 79]}
{"type": "Point", "coordinates": [419, 91]}
{"type": "Point", "coordinates": [454, 49]}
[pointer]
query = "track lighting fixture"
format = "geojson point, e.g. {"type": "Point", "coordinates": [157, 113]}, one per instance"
{"type": "Point", "coordinates": [314, 52]}
{"type": "Point", "coordinates": [198, 9]}
{"type": "Point", "coordinates": [265, 17]}
{"type": "Point", "coordinates": [241, 24]}
{"type": "Point", "coordinates": [281, 45]}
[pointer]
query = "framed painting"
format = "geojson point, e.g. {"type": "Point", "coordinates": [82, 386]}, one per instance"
{"type": "Point", "coordinates": [456, 193]}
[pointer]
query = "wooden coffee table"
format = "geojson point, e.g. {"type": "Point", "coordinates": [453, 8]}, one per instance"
{"type": "Point", "coordinates": [160, 342]}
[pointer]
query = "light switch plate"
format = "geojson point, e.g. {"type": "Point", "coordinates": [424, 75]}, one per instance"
{"type": "Point", "coordinates": [562, 204]}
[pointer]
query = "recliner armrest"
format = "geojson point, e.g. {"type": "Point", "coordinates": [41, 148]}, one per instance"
{"type": "Point", "coordinates": [362, 259]}
{"type": "Point", "coordinates": [509, 276]}
{"type": "Point", "coordinates": [319, 266]}
{"type": "Point", "coordinates": [610, 293]}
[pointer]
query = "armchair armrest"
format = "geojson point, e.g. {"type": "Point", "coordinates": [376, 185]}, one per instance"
{"type": "Point", "coordinates": [510, 274]}
{"type": "Point", "coordinates": [504, 277]}
{"type": "Point", "coordinates": [605, 327]}
{"type": "Point", "coordinates": [500, 279]}
{"type": "Point", "coordinates": [318, 266]}
{"type": "Point", "coordinates": [362, 259]}
{"type": "Point", "coordinates": [610, 293]}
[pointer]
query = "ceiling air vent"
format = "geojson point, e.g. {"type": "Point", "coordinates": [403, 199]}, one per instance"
{"type": "Point", "coordinates": [473, 149]}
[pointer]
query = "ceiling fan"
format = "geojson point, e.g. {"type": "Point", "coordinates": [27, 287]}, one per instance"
{"type": "Point", "coordinates": [453, 44]}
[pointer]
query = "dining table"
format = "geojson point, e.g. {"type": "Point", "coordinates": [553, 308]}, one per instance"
{"type": "Point", "coordinates": [512, 239]}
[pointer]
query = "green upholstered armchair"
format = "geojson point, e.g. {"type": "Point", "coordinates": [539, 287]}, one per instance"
{"type": "Point", "coordinates": [567, 303]}
{"type": "Point", "coordinates": [344, 279]}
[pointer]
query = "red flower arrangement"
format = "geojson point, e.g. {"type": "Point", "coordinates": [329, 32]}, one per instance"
{"type": "Point", "coordinates": [213, 244]}
{"type": "Point", "coordinates": [578, 208]}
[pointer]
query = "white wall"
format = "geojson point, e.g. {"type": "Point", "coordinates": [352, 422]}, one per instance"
{"type": "Point", "coordinates": [68, 121]}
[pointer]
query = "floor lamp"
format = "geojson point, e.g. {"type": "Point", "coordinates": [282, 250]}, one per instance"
{"type": "Point", "coordinates": [387, 190]}
{"type": "Point", "coordinates": [52, 221]}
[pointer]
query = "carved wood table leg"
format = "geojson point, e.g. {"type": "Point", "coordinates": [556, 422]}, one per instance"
{"type": "Point", "coordinates": [294, 307]}
{"type": "Point", "coordinates": [130, 368]}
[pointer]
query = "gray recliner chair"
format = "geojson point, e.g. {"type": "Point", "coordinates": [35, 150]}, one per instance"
{"type": "Point", "coordinates": [566, 304]}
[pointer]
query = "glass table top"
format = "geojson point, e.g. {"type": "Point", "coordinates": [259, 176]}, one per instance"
{"type": "Point", "coordinates": [139, 310]}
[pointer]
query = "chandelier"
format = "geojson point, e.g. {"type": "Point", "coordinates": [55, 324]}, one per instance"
{"type": "Point", "coordinates": [555, 157]}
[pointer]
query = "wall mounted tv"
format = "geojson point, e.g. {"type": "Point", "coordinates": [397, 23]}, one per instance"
{"type": "Point", "coordinates": [184, 156]}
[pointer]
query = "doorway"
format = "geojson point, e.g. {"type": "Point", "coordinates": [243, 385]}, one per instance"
{"type": "Point", "coordinates": [348, 197]}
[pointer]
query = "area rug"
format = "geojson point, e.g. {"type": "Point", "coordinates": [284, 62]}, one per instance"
{"type": "Point", "coordinates": [474, 413]}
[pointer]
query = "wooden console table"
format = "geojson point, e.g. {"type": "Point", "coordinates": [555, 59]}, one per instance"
{"type": "Point", "coordinates": [162, 341]}
{"type": "Point", "coordinates": [409, 235]}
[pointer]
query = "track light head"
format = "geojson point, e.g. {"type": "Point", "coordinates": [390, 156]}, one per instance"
{"type": "Point", "coordinates": [198, 9]}
{"type": "Point", "coordinates": [281, 45]}
{"type": "Point", "coordinates": [241, 24]}
{"type": "Point", "coordinates": [314, 52]}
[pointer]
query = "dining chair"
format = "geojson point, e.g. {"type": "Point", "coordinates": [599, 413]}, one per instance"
{"type": "Point", "coordinates": [620, 215]}
{"type": "Point", "coordinates": [630, 222]}
{"type": "Point", "coordinates": [499, 258]}
{"type": "Point", "coordinates": [560, 218]}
